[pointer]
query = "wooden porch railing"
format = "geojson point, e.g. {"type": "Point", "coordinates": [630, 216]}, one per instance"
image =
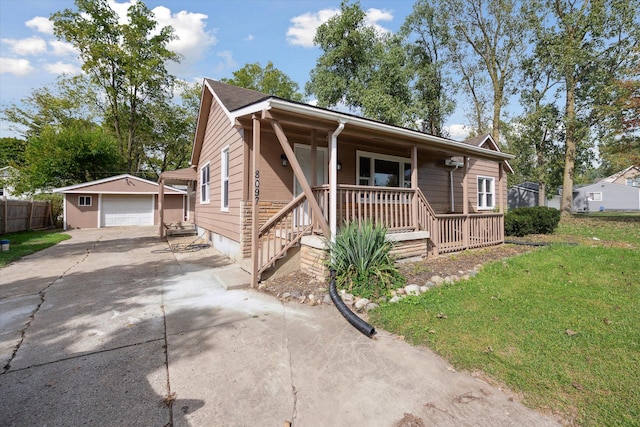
{"type": "Point", "coordinates": [390, 207]}
{"type": "Point", "coordinates": [283, 231]}
{"type": "Point", "coordinates": [386, 206]}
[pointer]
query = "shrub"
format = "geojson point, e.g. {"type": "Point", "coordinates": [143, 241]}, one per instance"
{"type": "Point", "coordinates": [534, 220]}
{"type": "Point", "coordinates": [56, 206]}
{"type": "Point", "coordinates": [361, 258]}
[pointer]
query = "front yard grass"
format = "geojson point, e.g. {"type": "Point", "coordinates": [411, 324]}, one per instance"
{"type": "Point", "coordinates": [27, 242]}
{"type": "Point", "coordinates": [559, 325]}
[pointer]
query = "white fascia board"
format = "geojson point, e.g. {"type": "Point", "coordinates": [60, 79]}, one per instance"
{"type": "Point", "coordinates": [367, 124]}
{"type": "Point", "coordinates": [79, 188]}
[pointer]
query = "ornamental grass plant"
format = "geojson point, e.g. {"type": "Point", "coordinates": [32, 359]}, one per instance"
{"type": "Point", "coordinates": [361, 257]}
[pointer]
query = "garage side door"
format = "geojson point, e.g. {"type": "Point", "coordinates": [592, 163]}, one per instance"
{"type": "Point", "coordinates": [127, 210]}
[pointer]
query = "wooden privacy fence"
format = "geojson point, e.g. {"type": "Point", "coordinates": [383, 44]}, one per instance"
{"type": "Point", "coordinates": [18, 215]}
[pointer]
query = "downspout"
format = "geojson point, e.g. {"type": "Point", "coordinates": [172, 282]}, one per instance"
{"type": "Point", "coordinates": [333, 180]}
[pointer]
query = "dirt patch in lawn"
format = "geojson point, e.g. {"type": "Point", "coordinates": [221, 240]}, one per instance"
{"type": "Point", "coordinates": [418, 272]}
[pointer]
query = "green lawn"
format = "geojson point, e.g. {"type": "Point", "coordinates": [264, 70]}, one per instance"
{"type": "Point", "coordinates": [28, 242]}
{"type": "Point", "coordinates": [560, 325]}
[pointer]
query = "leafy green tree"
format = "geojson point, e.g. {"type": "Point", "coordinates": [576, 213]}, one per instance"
{"type": "Point", "coordinates": [171, 130]}
{"type": "Point", "coordinates": [269, 80]}
{"type": "Point", "coordinates": [536, 137]}
{"type": "Point", "coordinates": [126, 60]}
{"type": "Point", "coordinates": [361, 69]}
{"type": "Point", "coordinates": [588, 44]}
{"type": "Point", "coordinates": [68, 155]}
{"type": "Point", "coordinates": [488, 38]}
{"type": "Point", "coordinates": [427, 36]}
{"type": "Point", "coordinates": [69, 99]}
{"type": "Point", "coordinates": [618, 120]}
{"type": "Point", "coordinates": [12, 151]}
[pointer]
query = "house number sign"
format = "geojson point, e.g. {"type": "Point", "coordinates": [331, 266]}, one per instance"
{"type": "Point", "coordinates": [257, 186]}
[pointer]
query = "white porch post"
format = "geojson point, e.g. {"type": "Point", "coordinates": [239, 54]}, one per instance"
{"type": "Point", "coordinates": [333, 180]}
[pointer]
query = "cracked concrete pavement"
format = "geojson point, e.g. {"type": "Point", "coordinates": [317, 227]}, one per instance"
{"type": "Point", "coordinates": [111, 328]}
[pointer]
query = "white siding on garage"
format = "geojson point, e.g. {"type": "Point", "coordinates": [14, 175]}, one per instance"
{"type": "Point", "coordinates": [120, 210]}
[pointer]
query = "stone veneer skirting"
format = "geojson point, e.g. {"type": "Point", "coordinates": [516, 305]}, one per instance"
{"type": "Point", "coordinates": [313, 251]}
{"type": "Point", "coordinates": [267, 209]}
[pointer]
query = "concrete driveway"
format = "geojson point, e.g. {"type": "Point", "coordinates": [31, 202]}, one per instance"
{"type": "Point", "coordinates": [111, 328]}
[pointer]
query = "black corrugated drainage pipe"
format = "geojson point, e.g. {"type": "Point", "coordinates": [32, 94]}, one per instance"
{"type": "Point", "coordinates": [352, 318]}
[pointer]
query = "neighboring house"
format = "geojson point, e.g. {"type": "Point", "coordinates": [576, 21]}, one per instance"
{"type": "Point", "coordinates": [6, 190]}
{"type": "Point", "coordinates": [523, 195]}
{"type": "Point", "coordinates": [120, 200]}
{"type": "Point", "coordinates": [629, 177]}
{"type": "Point", "coordinates": [275, 177]}
{"type": "Point", "coordinates": [606, 196]}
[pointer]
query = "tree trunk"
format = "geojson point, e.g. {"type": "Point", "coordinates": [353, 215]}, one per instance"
{"type": "Point", "coordinates": [542, 193]}
{"type": "Point", "coordinates": [570, 153]}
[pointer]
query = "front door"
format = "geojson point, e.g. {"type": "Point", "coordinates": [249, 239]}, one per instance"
{"type": "Point", "coordinates": [303, 154]}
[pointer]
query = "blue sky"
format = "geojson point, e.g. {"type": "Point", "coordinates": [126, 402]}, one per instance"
{"type": "Point", "coordinates": [215, 37]}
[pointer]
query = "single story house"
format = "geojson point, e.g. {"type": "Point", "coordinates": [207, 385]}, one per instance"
{"type": "Point", "coordinates": [606, 196]}
{"type": "Point", "coordinates": [120, 200]}
{"type": "Point", "coordinates": [629, 177]}
{"type": "Point", "coordinates": [274, 178]}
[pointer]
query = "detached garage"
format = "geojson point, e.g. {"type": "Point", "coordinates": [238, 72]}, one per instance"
{"type": "Point", "coordinates": [123, 200]}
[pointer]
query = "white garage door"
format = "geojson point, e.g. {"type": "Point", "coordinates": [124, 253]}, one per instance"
{"type": "Point", "coordinates": [127, 210]}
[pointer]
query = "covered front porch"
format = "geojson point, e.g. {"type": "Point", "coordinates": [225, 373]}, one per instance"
{"type": "Point", "coordinates": [374, 177]}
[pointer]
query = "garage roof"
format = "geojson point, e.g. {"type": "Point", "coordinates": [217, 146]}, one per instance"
{"type": "Point", "coordinates": [119, 184]}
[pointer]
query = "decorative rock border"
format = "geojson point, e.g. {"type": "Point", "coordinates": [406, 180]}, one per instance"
{"type": "Point", "coordinates": [363, 305]}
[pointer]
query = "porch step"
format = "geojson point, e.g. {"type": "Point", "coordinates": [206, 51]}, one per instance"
{"type": "Point", "coordinates": [181, 229]}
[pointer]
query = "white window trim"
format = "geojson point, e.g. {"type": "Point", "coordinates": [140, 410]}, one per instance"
{"type": "Point", "coordinates": [493, 193]}
{"type": "Point", "coordinates": [208, 199]}
{"type": "Point", "coordinates": [85, 205]}
{"type": "Point", "coordinates": [377, 156]}
{"type": "Point", "coordinates": [224, 156]}
{"type": "Point", "coordinates": [591, 196]}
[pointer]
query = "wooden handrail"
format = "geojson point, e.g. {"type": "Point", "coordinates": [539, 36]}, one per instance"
{"type": "Point", "coordinates": [283, 212]}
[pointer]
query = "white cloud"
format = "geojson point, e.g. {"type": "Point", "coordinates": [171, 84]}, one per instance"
{"type": "Point", "coordinates": [458, 132]}
{"type": "Point", "coordinates": [192, 41]}
{"type": "Point", "coordinates": [227, 61]}
{"type": "Point", "coordinates": [249, 38]}
{"type": "Point", "coordinates": [304, 27]}
{"type": "Point", "coordinates": [376, 15]}
{"type": "Point", "coordinates": [61, 48]}
{"type": "Point", "coordinates": [62, 68]}
{"type": "Point", "coordinates": [29, 46]}
{"type": "Point", "coordinates": [40, 24]}
{"type": "Point", "coordinates": [121, 9]}
{"type": "Point", "coordinates": [18, 67]}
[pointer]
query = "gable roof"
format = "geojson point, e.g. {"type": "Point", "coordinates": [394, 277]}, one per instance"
{"type": "Point", "coordinates": [486, 141]}
{"type": "Point", "coordinates": [617, 175]}
{"type": "Point", "coordinates": [150, 187]}
{"type": "Point", "coordinates": [239, 102]}
{"type": "Point", "coordinates": [233, 97]}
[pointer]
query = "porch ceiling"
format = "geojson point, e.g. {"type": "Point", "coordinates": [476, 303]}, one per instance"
{"type": "Point", "coordinates": [301, 124]}
{"type": "Point", "coordinates": [180, 176]}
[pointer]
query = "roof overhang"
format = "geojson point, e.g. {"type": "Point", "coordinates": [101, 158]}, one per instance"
{"type": "Point", "coordinates": [408, 136]}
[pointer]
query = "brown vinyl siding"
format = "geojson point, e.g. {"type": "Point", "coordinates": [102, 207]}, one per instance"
{"type": "Point", "coordinates": [220, 134]}
{"type": "Point", "coordinates": [173, 208]}
{"type": "Point", "coordinates": [81, 216]}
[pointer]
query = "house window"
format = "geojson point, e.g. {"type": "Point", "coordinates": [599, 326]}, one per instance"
{"type": "Point", "coordinates": [224, 179]}
{"type": "Point", "coordinates": [594, 197]}
{"type": "Point", "coordinates": [204, 184]}
{"type": "Point", "coordinates": [383, 171]}
{"type": "Point", "coordinates": [84, 200]}
{"type": "Point", "coordinates": [486, 196]}
{"type": "Point", "coordinates": [634, 182]}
